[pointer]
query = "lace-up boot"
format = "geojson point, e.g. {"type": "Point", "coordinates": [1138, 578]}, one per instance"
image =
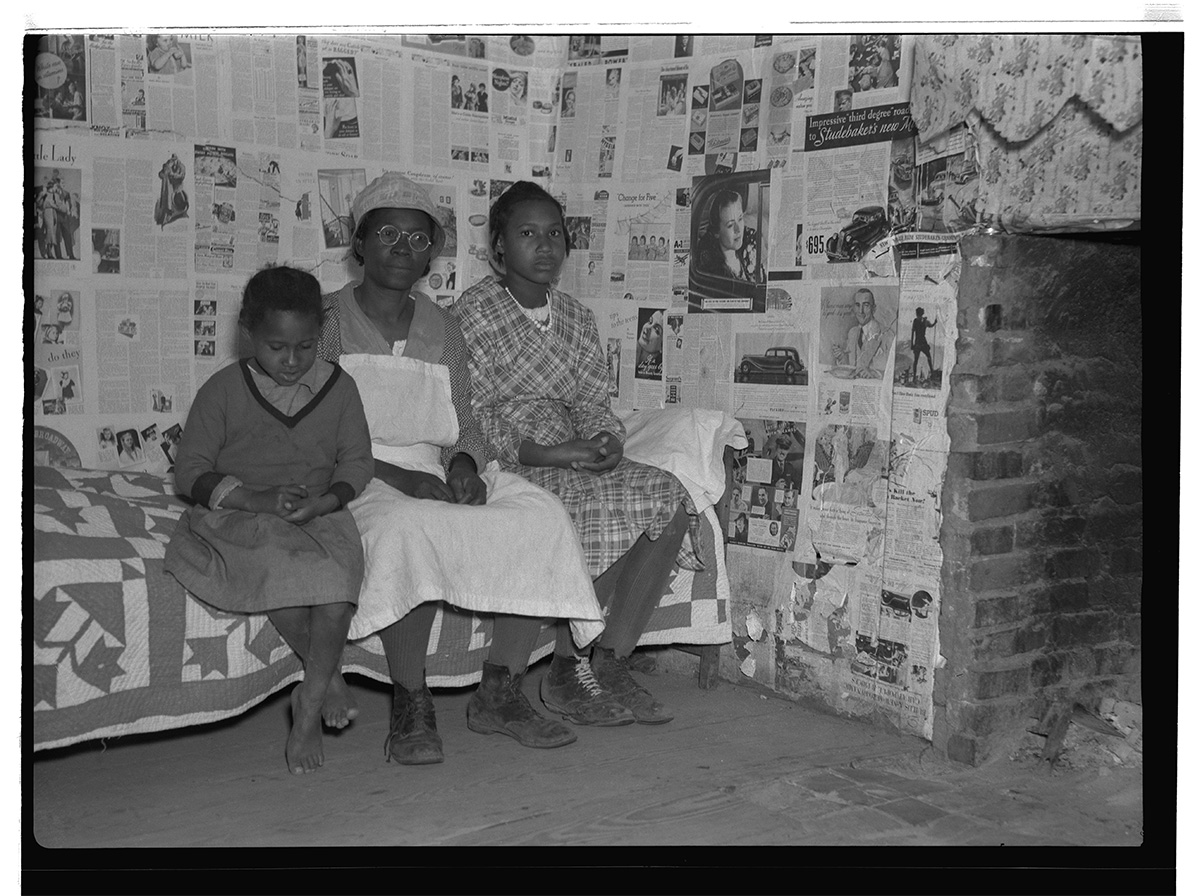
{"type": "Point", "coordinates": [613, 674]}
{"type": "Point", "coordinates": [499, 706]}
{"type": "Point", "coordinates": [570, 688]}
{"type": "Point", "coordinates": [412, 737]}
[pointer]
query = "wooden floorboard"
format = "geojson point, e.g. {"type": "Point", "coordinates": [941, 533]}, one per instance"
{"type": "Point", "coordinates": [692, 781]}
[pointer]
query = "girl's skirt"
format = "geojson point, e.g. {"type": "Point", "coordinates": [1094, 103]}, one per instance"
{"type": "Point", "coordinates": [611, 510]}
{"type": "Point", "coordinates": [252, 562]}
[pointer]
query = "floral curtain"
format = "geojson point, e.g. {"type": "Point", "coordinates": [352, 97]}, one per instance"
{"type": "Point", "coordinates": [1057, 121]}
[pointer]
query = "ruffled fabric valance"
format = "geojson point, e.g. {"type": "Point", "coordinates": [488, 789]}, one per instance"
{"type": "Point", "coordinates": [1075, 174]}
{"type": "Point", "coordinates": [1019, 83]}
{"type": "Point", "coordinates": [1056, 121]}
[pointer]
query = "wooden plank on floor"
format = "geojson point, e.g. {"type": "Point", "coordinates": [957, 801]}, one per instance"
{"type": "Point", "coordinates": [227, 785]}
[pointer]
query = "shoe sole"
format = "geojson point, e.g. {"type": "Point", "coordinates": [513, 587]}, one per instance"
{"type": "Point", "coordinates": [578, 720]}
{"type": "Point", "coordinates": [418, 761]}
{"type": "Point", "coordinates": [432, 760]}
{"type": "Point", "coordinates": [660, 720]}
{"type": "Point", "coordinates": [482, 729]}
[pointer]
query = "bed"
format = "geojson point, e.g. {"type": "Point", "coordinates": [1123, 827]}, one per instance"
{"type": "Point", "coordinates": [119, 647]}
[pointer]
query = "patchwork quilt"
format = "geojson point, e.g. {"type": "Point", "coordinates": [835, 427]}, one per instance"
{"type": "Point", "coordinates": [119, 647]}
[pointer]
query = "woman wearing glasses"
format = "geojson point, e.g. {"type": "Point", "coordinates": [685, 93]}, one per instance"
{"type": "Point", "coordinates": [435, 525]}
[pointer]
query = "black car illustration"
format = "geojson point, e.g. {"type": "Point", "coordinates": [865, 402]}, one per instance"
{"type": "Point", "coordinates": [864, 230]}
{"type": "Point", "coordinates": [778, 363]}
{"type": "Point", "coordinates": [935, 190]}
{"type": "Point", "coordinates": [899, 605]}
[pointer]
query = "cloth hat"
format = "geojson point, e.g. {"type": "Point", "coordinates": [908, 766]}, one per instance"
{"type": "Point", "coordinates": [391, 190]}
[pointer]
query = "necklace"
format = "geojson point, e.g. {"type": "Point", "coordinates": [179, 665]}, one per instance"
{"type": "Point", "coordinates": [540, 316]}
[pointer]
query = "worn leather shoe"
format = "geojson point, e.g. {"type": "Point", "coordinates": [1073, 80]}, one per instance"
{"type": "Point", "coordinates": [412, 737]}
{"type": "Point", "coordinates": [612, 672]}
{"type": "Point", "coordinates": [499, 706]}
{"type": "Point", "coordinates": [570, 688]}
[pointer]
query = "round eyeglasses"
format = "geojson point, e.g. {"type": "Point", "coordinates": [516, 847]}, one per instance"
{"type": "Point", "coordinates": [418, 241]}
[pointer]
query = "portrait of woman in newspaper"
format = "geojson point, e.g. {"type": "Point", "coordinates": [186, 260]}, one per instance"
{"type": "Point", "coordinates": [339, 82]}
{"type": "Point", "coordinates": [518, 88]}
{"type": "Point", "coordinates": [730, 213]}
{"type": "Point", "coordinates": [649, 343]}
{"type": "Point", "coordinates": [730, 247]}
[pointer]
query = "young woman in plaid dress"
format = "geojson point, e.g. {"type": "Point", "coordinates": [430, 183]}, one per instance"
{"type": "Point", "coordinates": [540, 389]}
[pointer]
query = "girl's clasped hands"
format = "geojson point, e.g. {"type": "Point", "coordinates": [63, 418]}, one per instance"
{"type": "Point", "coordinates": [595, 455]}
{"type": "Point", "coordinates": [291, 503]}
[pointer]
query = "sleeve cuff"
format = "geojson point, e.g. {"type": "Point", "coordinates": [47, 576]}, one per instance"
{"type": "Point", "coordinates": [344, 492]}
{"type": "Point", "coordinates": [512, 448]}
{"type": "Point", "coordinates": [204, 486]}
{"type": "Point", "coordinates": [480, 460]}
{"type": "Point", "coordinates": [221, 491]}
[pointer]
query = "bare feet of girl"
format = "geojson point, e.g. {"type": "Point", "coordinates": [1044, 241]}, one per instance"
{"type": "Point", "coordinates": [339, 707]}
{"type": "Point", "coordinates": [304, 751]}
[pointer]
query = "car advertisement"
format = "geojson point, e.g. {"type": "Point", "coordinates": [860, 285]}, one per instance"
{"type": "Point", "coordinates": [775, 358]}
{"type": "Point", "coordinates": [854, 127]}
{"type": "Point", "coordinates": [858, 171]}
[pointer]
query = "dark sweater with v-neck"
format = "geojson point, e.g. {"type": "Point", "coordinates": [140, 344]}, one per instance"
{"type": "Point", "coordinates": [232, 430]}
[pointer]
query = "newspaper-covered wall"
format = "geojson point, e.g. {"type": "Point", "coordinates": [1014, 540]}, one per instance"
{"type": "Point", "coordinates": [741, 209]}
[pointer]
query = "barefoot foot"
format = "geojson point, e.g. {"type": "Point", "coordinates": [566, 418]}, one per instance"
{"type": "Point", "coordinates": [304, 751]}
{"type": "Point", "coordinates": [339, 706]}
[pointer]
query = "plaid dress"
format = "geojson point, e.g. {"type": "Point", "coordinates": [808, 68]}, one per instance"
{"type": "Point", "coordinates": [552, 387]}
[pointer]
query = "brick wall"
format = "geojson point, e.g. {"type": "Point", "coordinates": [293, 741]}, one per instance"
{"type": "Point", "coordinates": [1042, 527]}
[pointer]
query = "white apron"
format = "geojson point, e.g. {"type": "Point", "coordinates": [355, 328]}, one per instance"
{"type": "Point", "coordinates": [516, 554]}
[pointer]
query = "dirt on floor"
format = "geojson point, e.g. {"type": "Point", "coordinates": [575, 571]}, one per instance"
{"type": "Point", "coordinates": [1093, 788]}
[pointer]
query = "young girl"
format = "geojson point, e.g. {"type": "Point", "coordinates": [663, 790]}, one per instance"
{"type": "Point", "coordinates": [274, 448]}
{"type": "Point", "coordinates": [540, 388]}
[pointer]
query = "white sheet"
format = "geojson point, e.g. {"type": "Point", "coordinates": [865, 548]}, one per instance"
{"type": "Point", "coordinates": [689, 443]}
